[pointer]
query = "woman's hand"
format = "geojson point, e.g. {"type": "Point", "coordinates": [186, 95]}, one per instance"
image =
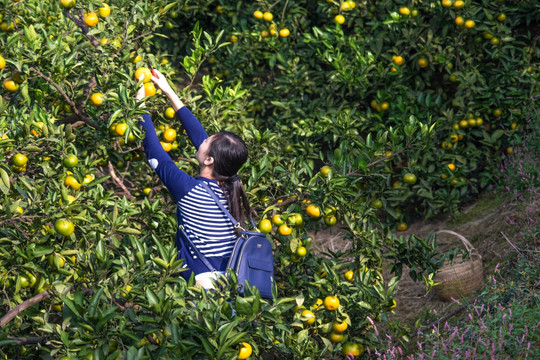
{"type": "Point", "coordinates": [161, 82]}
{"type": "Point", "coordinates": [140, 93]}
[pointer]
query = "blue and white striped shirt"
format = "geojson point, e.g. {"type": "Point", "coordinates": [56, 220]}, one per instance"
{"type": "Point", "coordinates": [210, 230]}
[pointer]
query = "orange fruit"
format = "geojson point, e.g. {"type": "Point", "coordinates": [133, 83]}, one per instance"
{"type": "Point", "coordinates": [404, 10]}
{"type": "Point", "coordinates": [97, 99]}
{"type": "Point", "coordinates": [447, 3]}
{"type": "Point", "coordinates": [134, 57]}
{"type": "Point", "coordinates": [325, 171]}
{"type": "Point", "coordinates": [340, 19]}
{"type": "Point", "coordinates": [509, 150]}
{"type": "Point", "coordinates": [71, 181]}
{"type": "Point", "coordinates": [423, 62]}
{"type": "Point", "coordinates": [399, 60]}
{"type": "Point", "coordinates": [284, 32]}
{"type": "Point", "coordinates": [459, 4]}
{"type": "Point", "coordinates": [313, 211]}
{"type": "Point", "coordinates": [68, 4]}
{"type": "Point", "coordinates": [10, 85]}
{"type": "Point", "coordinates": [460, 21]}
{"type": "Point", "coordinates": [336, 338]}
{"type": "Point", "coordinates": [301, 251]}
{"type": "Point", "coordinates": [463, 124]}
{"type": "Point", "coordinates": [385, 105]}
{"type": "Point", "coordinates": [501, 17]}
{"type": "Point", "coordinates": [330, 220]}
{"type": "Point", "coordinates": [71, 161]}
{"type": "Point", "coordinates": [394, 304]}
{"type": "Point", "coordinates": [352, 349]}
{"type": "Point", "coordinates": [497, 112]}
{"type": "Point", "coordinates": [409, 178]}
{"type": "Point", "coordinates": [104, 10]}
{"type": "Point", "coordinates": [349, 275]}
{"type": "Point", "coordinates": [166, 146]}
{"type": "Point", "coordinates": [402, 226]}
{"type": "Point", "coordinates": [284, 230]}
{"type": "Point", "coordinates": [268, 16]}
{"type": "Point", "coordinates": [145, 72]}
{"type": "Point", "coordinates": [2, 62]}
{"type": "Point", "coordinates": [317, 304]}
{"type": "Point", "coordinates": [296, 220]}
{"type": "Point", "coordinates": [265, 226]}
{"type": "Point", "coordinates": [339, 327]}
{"type": "Point", "coordinates": [454, 138]}
{"type": "Point", "coordinates": [331, 302]}
{"type": "Point", "coordinates": [245, 351]}
{"type": "Point", "coordinates": [19, 159]}
{"type": "Point", "coordinates": [277, 220]}
{"type": "Point", "coordinates": [64, 227]}
{"type": "Point", "coordinates": [120, 129]}
{"type": "Point", "coordinates": [377, 204]}
{"type": "Point", "coordinates": [310, 317]}
{"type": "Point", "coordinates": [257, 14]}
{"type": "Point", "coordinates": [494, 41]}
{"type": "Point", "coordinates": [91, 19]}
{"type": "Point", "coordinates": [451, 166]}
{"type": "Point", "coordinates": [469, 24]}
{"type": "Point", "coordinates": [169, 135]}
{"type": "Point", "coordinates": [169, 113]}
{"type": "Point", "coordinates": [149, 89]}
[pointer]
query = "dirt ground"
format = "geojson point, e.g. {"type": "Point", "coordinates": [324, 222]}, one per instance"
{"type": "Point", "coordinates": [490, 223]}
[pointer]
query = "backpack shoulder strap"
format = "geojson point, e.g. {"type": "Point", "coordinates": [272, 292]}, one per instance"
{"type": "Point", "coordinates": [196, 250]}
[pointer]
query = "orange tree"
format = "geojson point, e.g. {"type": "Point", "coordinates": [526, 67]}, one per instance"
{"type": "Point", "coordinates": [88, 266]}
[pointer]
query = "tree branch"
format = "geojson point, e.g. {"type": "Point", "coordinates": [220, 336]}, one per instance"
{"type": "Point", "coordinates": [28, 340]}
{"type": "Point", "coordinates": [119, 182]}
{"type": "Point", "coordinates": [23, 306]}
{"type": "Point", "coordinates": [70, 102]}
{"type": "Point", "coordinates": [84, 29]}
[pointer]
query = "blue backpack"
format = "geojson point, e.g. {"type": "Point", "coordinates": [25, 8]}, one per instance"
{"type": "Point", "coordinates": [252, 258]}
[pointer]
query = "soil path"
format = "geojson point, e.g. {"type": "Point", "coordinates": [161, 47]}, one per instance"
{"type": "Point", "coordinates": [491, 224]}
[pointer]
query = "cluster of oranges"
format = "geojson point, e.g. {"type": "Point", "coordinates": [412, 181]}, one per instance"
{"type": "Point", "coordinates": [336, 328]}
{"type": "Point", "coordinates": [272, 30]}
{"type": "Point", "coordinates": [168, 136]}
{"type": "Point", "coordinates": [375, 105]}
{"type": "Point", "coordinates": [146, 74]}
{"type": "Point", "coordinates": [405, 11]}
{"type": "Point", "coordinates": [346, 5]}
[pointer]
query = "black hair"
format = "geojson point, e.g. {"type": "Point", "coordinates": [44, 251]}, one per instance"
{"type": "Point", "coordinates": [230, 153]}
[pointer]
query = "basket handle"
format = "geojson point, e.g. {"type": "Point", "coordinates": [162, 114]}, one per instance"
{"type": "Point", "coordinates": [465, 242]}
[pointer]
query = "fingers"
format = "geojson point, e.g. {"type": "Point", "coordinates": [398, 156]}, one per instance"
{"type": "Point", "coordinates": [140, 93]}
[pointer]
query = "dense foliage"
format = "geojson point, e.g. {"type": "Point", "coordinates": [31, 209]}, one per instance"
{"type": "Point", "coordinates": [363, 114]}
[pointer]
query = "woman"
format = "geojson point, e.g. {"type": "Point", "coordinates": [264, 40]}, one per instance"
{"type": "Point", "coordinates": [220, 156]}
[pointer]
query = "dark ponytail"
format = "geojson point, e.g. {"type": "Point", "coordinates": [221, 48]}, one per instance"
{"type": "Point", "coordinates": [230, 153]}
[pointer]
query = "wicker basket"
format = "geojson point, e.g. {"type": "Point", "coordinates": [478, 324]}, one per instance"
{"type": "Point", "coordinates": [460, 277]}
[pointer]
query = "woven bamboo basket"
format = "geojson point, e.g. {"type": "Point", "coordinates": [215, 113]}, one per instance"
{"type": "Point", "coordinates": [462, 276]}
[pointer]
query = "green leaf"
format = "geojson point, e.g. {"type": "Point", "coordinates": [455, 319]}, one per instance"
{"type": "Point", "coordinates": [243, 307]}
